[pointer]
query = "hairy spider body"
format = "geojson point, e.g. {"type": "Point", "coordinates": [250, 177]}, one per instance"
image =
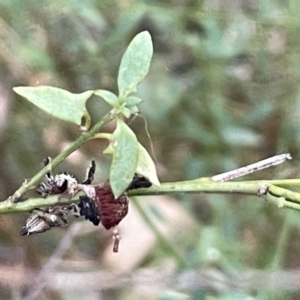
{"type": "Point", "coordinates": [42, 220]}
{"type": "Point", "coordinates": [63, 183]}
{"type": "Point", "coordinates": [35, 224]}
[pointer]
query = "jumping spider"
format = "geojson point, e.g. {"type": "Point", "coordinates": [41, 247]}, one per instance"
{"type": "Point", "coordinates": [63, 182]}
{"type": "Point", "coordinates": [42, 220]}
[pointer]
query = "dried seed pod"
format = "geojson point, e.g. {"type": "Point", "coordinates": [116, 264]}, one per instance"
{"type": "Point", "coordinates": [112, 210]}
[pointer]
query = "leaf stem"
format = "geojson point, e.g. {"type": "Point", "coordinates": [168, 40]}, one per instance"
{"type": "Point", "coordinates": [102, 135]}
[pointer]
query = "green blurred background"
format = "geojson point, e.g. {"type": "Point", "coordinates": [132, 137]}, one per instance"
{"type": "Point", "coordinates": [222, 92]}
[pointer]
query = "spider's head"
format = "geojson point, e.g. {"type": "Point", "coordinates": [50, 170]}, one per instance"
{"type": "Point", "coordinates": [64, 182]}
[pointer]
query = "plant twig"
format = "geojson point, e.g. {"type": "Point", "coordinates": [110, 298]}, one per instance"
{"type": "Point", "coordinates": [269, 190]}
{"type": "Point", "coordinates": [274, 194]}
{"type": "Point", "coordinates": [260, 165]}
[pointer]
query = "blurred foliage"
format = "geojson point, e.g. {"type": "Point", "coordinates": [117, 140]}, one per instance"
{"type": "Point", "coordinates": [222, 92]}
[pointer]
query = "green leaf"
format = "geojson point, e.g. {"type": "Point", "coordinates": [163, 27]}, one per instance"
{"type": "Point", "coordinates": [58, 103]}
{"type": "Point", "coordinates": [132, 101]}
{"type": "Point", "coordinates": [131, 104]}
{"type": "Point", "coordinates": [146, 166]}
{"type": "Point", "coordinates": [125, 158]}
{"type": "Point", "coordinates": [108, 96]}
{"type": "Point", "coordinates": [135, 64]}
{"type": "Point", "coordinates": [134, 110]}
{"type": "Point", "coordinates": [125, 111]}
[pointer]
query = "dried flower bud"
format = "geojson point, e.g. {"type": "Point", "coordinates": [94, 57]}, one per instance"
{"type": "Point", "coordinates": [100, 205]}
{"type": "Point", "coordinates": [104, 208]}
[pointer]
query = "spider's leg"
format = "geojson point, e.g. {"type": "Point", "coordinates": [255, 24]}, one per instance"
{"type": "Point", "coordinates": [88, 209]}
{"type": "Point", "coordinates": [139, 181]}
{"type": "Point", "coordinates": [56, 216]}
{"type": "Point", "coordinates": [49, 176]}
{"type": "Point", "coordinates": [73, 210]}
{"type": "Point", "coordinates": [43, 190]}
{"type": "Point", "coordinates": [90, 173]}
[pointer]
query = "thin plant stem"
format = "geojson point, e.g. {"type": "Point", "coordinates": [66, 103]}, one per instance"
{"type": "Point", "coordinates": [279, 196]}
{"type": "Point", "coordinates": [260, 165]}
